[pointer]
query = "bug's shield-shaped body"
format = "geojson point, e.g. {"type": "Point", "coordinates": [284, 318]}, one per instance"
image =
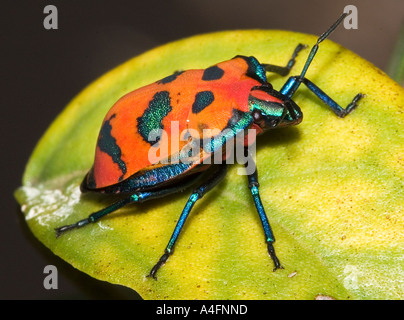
{"type": "Point", "coordinates": [227, 98]}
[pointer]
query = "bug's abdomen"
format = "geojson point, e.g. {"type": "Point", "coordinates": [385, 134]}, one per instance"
{"type": "Point", "coordinates": [194, 99]}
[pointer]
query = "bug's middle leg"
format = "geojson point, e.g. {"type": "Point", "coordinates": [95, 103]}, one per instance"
{"type": "Point", "coordinates": [197, 194]}
{"type": "Point", "coordinates": [253, 186]}
{"type": "Point", "coordinates": [284, 71]}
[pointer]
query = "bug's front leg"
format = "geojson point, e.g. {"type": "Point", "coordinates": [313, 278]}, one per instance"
{"type": "Point", "coordinates": [293, 82]}
{"type": "Point", "coordinates": [338, 110]}
{"type": "Point", "coordinates": [253, 186]}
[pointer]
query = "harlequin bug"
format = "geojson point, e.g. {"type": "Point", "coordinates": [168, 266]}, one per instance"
{"type": "Point", "coordinates": [231, 96]}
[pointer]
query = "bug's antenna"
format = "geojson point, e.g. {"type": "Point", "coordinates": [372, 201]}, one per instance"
{"type": "Point", "coordinates": [293, 83]}
{"type": "Point", "coordinates": [319, 40]}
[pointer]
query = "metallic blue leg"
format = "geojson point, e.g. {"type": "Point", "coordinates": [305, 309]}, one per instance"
{"type": "Point", "coordinates": [269, 236]}
{"type": "Point", "coordinates": [137, 197]}
{"type": "Point", "coordinates": [197, 194]}
{"type": "Point", "coordinates": [94, 216]}
{"type": "Point", "coordinates": [338, 110]}
{"type": "Point", "coordinates": [284, 71]}
{"type": "Point", "coordinates": [293, 82]}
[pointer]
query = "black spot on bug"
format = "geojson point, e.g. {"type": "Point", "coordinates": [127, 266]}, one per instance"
{"type": "Point", "coordinates": [151, 120]}
{"type": "Point", "coordinates": [107, 143]}
{"type": "Point", "coordinates": [170, 78]}
{"type": "Point", "coordinates": [212, 73]}
{"type": "Point", "coordinates": [202, 100]}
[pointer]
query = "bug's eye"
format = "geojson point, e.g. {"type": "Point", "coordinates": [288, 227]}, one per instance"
{"type": "Point", "coordinates": [257, 116]}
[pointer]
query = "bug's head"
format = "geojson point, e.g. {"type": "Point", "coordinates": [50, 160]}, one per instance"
{"type": "Point", "coordinates": [271, 109]}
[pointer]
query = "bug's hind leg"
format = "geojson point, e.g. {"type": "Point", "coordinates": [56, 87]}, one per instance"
{"type": "Point", "coordinates": [94, 216]}
{"type": "Point", "coordinates": [137, 197]}
{"type": "Point", "coordinates": [214, 178]}
{"type": "Point", "coordinates": [284, 71]}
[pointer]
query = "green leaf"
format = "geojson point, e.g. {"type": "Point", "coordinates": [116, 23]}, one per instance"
{"type": "Point", "coordinates": [333, 188]}
{"type": "Point", "coordinates": [396, 65]}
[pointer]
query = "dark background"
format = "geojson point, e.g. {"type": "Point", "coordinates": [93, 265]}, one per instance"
{"type": "Point", "coordinates": [42, 70]}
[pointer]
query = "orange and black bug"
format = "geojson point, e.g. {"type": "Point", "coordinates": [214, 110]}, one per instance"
{"type": "Point", "coordinates": [230, 97]}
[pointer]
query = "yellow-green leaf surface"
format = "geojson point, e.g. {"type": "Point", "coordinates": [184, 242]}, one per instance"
{"type": "Point", "coordinates": [333, 188]}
